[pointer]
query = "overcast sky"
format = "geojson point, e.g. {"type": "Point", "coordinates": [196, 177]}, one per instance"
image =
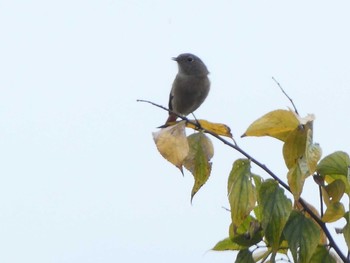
{"type": "Point", "coordinates": [81, 179]}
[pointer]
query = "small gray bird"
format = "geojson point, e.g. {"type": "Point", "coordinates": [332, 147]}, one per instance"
{"type": "Point", "coordinates": [191, 86]}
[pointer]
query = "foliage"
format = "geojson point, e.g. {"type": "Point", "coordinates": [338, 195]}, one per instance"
{"type": "Point", "coordinates": [265, 222]}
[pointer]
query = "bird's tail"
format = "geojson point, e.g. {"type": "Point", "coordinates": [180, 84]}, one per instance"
{"type": "Point", "coordinates": [172, 118]}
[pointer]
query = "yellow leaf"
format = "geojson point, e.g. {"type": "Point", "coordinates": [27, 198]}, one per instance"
{"type": "Point", "coordinates": [313, 153]}
{"type": "Point", "coordinates": [333, 212]}
{"type": "Point", "coordinates": [197, 160]}
{"type": "Point", "coordinates": [217, 128]}
{"type": "Point", "coordinates": [277, 124]}
{"type": "Point", "coordinates": [301, 157]}
{"type": "Point", "coordinates": [294, 146]}
{"type": "Point", "coordinates": [172, 143]}
{"type": "Point", "coordinates": [296, 177]}
{"type": "Point", "coordinates": [333, 192]}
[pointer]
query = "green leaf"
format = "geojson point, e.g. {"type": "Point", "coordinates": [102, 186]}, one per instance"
{"type": "Point", "coordinates": [227, 244]}
{"type": "Point", "coordinates": [346, 230]}
{"type": "Point", "coordinates": [275, 208]}
{"type": "Point", "coordinates": [241, 191]}
{"type": "Point", "coordinates": [335, 166]}
{"type": "Point", "coordinates": [248, 233]}
{"type": "Point", "coordinates": [277, 124]}
{"type": "Point", "coordinates": [257, 181]}
{"type": "Point", "coordinates": [245, 256]}
{"type": "Point", "coordinates": [198, 159]}
{"type": "Point", "coordinates": [322, 255]}
{"type": "Point", "coordinates": [335, 163]}
{"type": "Point", "coordinates": [302, 235]}
{"type": "Point", "coordinates": [262, 254]}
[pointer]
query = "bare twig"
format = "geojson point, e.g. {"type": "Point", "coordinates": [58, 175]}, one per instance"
{"type": "Point", "coordinates": [162, 107]}
{"type": "Point", "coordinates": [268, 171]}
{"type": "Point", "coordinates": [225, 208]}
{"type": "Point", "coordinates": [166, 109]}
{"type": "Point", "coordinates": [291, 101]}
{"type": "Point", "coordinates": [321, 200]}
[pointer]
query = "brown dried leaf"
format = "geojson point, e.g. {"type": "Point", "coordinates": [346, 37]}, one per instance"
{"type": "Point", "coordinates": [172, 143]}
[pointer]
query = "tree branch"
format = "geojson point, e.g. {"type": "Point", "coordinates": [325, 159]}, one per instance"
{"type": "Point", "coordinates": [285, 93]}
{"type": "Point", "coordinates": [268, 171]}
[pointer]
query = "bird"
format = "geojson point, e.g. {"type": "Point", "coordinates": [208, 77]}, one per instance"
{"type": "Point", "coordinates": [190, 87]}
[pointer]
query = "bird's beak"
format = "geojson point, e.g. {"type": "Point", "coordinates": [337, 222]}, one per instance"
{"type": "Point", "coordinates": [174, 58]}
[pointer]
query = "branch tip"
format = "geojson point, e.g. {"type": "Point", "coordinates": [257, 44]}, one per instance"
{"type": "Point", "coordinates": [285, 93]}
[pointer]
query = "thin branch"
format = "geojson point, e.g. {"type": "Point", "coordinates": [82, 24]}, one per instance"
{"type": "Point", "coordinates": [225, 208]}
{"type": "Point", "coordinates": [268, 171]}
{"type": "Point", "coordinates": [162, 107]}
{"type": "Point", "coordinates": [325, 230]}
{"type": "Point", "coordinates": [170, 111]}
{"type": "Point", "coordinates": [320, 182]}
{"type": "Point", "coordinates": [291, 101]}
{"type": "Point", "coordinates": [321, 200]}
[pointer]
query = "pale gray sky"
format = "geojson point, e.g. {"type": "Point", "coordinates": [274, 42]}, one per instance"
{"type": "Point", "coordinates": [81, 179]}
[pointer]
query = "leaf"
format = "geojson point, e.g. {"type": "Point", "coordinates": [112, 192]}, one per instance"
{"type": "Point", "coordinates": [335, 166]}
{"type": "Point", "coordinates": [257, 181]}
{"type": "Point", "coordinates": [217, 128]}
{"type": "Point", "coordinates": [294, 146]}
{"type": "Point", "coordinates": [346, 230]}
{"type": "Point", "coordinates": [172, 143]}
{"type": "Point", "coordinates": [283, 246]}
{"type": "Point", "coordinates": [198, 159]}
{"type": "Point", "coordinates": [299, 207]}
{"type": "Point", "coordinates": [277, 124]}
{"type": "Point", "coordinates": [245, 256]}
{"type": "Point", "coordinates": [261, 254]}
{"type": "Point", "coordinates": [296, 177]}
{"type": "Point", "coordinates": [301, 157]}
{"type": "Point", "coordinates": [333, 192]}
{"type": "Point", "coordinates": [248, 233]}
{"type": "Point", "coordinates": [333, 212]}
{"type": "Point", "coordinates": [227, 244]}
{"type": "Point", "coordinates": [302, 235]}
{"type": "Point", "coordinates": [313, 153]}
{"type": "Point", "coordinates": [241, 192]}
{"type": "Point", "coordinates": [335, 163]}
{"type": "Point", "coordinates": [322, 255]}
{"type": "Point", "coordinates": [275, 208]}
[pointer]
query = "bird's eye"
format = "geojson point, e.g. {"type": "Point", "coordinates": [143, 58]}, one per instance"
{"type": "Point", "coordinates": [189, 59]}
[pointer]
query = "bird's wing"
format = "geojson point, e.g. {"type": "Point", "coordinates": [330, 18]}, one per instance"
{"type": "Point", "coordinates": [171, 96]}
